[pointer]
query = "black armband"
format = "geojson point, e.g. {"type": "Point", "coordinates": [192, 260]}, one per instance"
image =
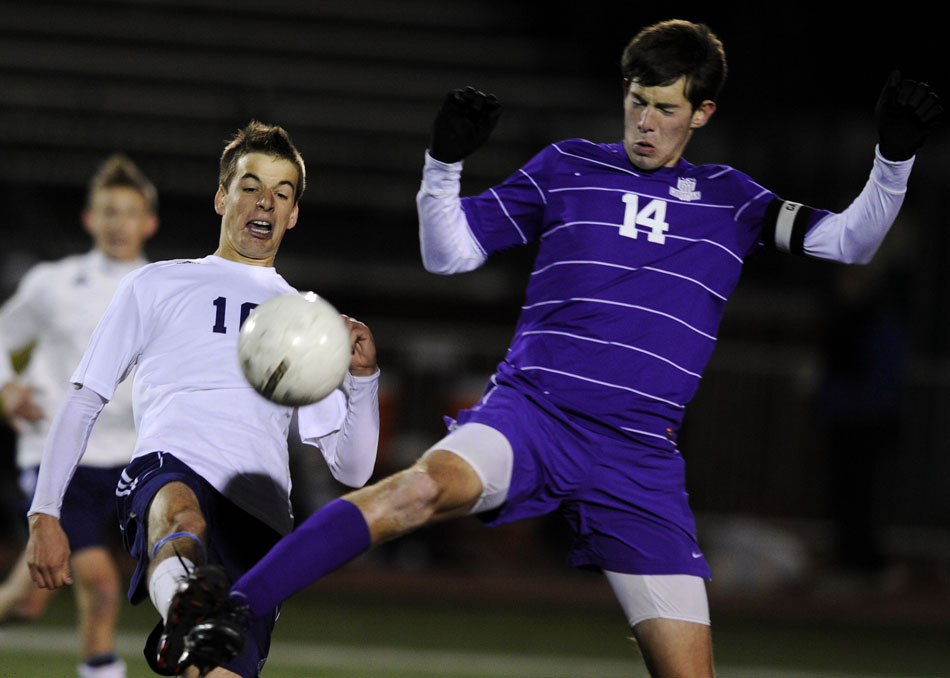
{"type": "Point", "coordinates": [785, 225]}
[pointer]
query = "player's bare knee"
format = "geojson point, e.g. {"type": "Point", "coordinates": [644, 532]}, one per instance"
{"type": "Point", "coordinates": [459, 485]}
{"type": "Point", "coordinates": [182, 534]}
{"type": "Point", "coordinates": [421, 493]}
{"type": "Point", "coordinates": [190, 522]}
{"type": "Point", "coordinates": [399, 503]}
{"type": "Point", "coordinates": [102, 600]}
{"type": "Point", "coordinates": [437, 489]}
{"type": "Point", "coordinates": [176, 525]}
{"type": "Point", "coordinates": [100, 584]}
{"type": "Point", "coordinates": [413, 494]}
{"type": "Point", "coordinates": [185, 540]}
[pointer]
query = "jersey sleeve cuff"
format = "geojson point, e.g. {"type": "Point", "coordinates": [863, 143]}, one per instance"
{"type": "Point", "coordinates": [891, 175]}
{"type": "Point", "coordinates": [441, 178]}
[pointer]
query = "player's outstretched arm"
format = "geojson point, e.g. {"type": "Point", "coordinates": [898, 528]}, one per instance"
{"type": "Point", "coordinates": [907, 112]}
{"type": "Point", "coordinates": [464, 122]}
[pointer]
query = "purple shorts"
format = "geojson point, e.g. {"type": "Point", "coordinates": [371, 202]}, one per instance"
{"type": "Point", "coordinates": [625, 501]}
{"type": "Point", "coordinates": [88, 516]}
{"type": "Point", "coordinates": [235, 539]}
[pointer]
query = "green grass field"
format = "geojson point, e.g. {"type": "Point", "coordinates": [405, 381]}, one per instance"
{"type": "Point", "coordinates": [354, 636]}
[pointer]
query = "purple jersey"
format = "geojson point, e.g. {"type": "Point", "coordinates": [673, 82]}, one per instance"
{"type": "Point", "coordinates": [631, 278]}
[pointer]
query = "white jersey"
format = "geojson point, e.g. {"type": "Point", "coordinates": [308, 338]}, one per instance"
{"type": "Point", "coordinates": [177, 323]}
{"type": "Point", "coordinates": [57, 305]}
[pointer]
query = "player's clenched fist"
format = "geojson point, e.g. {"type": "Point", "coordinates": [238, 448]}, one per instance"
{"type": "Point", "coordinates": [463, 123]}
{"type": "Point", "coordinates": [363, 362]}
{"type": "Point", "coordinates": [907, 112]}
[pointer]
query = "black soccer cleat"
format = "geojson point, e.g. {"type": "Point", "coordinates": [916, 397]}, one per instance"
{"type": "Point", "coordinates": [201, 596]}
{"type": "Point", "coordinates": [216, 641]}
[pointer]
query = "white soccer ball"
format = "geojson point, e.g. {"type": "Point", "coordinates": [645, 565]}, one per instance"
{"type": "Point", "coordinates": [294, 349]}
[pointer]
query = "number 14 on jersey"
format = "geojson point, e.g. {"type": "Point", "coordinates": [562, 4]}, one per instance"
{"type": "Point", "coordinates": [652, 217]}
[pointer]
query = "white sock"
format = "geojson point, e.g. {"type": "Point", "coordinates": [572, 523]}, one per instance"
{"type": "Point", "coordinates": [114, 670]}
{"type": "Point", "coordinates": [164, 582]}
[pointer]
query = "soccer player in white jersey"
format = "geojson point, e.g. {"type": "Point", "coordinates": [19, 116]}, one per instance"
{"type": "Point", "coordinates": [55, 308]}
{"type": "Point", "coordinates": [208, 489]}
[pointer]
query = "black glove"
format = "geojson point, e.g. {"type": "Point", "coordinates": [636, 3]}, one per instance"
{"type": "Point", "coordinates": [907, 112]}
{"type": "Point", "coordinates": [463, 123]}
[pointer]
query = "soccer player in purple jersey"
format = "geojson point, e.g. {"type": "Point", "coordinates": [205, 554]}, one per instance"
{"type": "Point", "coordinates": [638, 252]}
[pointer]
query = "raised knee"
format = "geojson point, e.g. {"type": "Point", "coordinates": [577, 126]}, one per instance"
{"type": "Point", "coordinates": [188, 521]}
{"type": "Point", "coordinates": [400, 502]}
{"type": "Point", "coordinates": [183, 535]}
{"type": "Point", "coordinates": [420, 491]}
{"type": "Point", "coordinates": [176, 523]}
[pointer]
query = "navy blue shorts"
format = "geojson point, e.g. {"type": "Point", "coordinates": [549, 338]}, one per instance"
{"type": "Point", "coordinates": [88, 516]}
{"type": "Point", "coordinates": [625, 501]}
{"type": "Point", "coordinates": [235, 539]}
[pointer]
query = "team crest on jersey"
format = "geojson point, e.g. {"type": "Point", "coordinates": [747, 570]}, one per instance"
{"type": "Point", "coordinates": [685, 189]}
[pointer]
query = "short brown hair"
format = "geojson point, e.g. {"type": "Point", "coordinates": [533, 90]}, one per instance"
{"type": "Point", "coordinates": [660, 54]}
{"type": "Point", "coordinates": [118, 171]}
{"type": "Point", "coordinates": [258, 137]}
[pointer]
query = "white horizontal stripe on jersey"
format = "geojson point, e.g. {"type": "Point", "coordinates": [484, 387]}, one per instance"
{"type": "Point", "coordinates": [535, 184]}
{"type": "Point", "coordinates": [667, 235]}
{"type": "Point", "coordinates": [654, 269]}
{"type": "Point", "coordinates": [686, 278]}
{"type": "Point", "coordinates": [484, 399]}
{"type": "Point", "coordinates": [610, 189]}
{"type": "Point", "coordinates": [596, 162]}
{"type": "Point", "coordinates": [618, 344]}
{"type": "Point", "coordinates": [646, 433]}
{"type": "Point", "coordinates": [504, 209]}
{"type": "Point", "coordinates": [571, 375]}
{"type": "Point", "coordinates": [742, 209]}
{"type": "Point", "coordinates": [620, 303]}
{"type": "Point", "coordinates": [569, 224]}
{"type": "Point", "coordinates": [724, 170]}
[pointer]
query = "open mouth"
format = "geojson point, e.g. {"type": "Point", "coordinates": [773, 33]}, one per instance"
{"type": "Point", "coordinates": [260, 228]}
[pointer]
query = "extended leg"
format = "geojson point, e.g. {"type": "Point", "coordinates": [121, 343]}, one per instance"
{"type": "Point", "coordinates": [438, 486]}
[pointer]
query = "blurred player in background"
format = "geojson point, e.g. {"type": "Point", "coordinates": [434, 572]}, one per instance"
{"type": "Point", "coordinates": [209, 480]}
{"type": "Point", "coordinates": [55, 309]}
{"type": "Point", "coordinates": [638, 252]}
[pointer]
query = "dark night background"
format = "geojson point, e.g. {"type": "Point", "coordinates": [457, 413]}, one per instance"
{"type": "Point", "coordinates": [357, 84]}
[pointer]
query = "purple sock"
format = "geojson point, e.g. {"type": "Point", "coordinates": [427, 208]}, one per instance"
{"type": "Point", "coordinates": [328, 539]}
